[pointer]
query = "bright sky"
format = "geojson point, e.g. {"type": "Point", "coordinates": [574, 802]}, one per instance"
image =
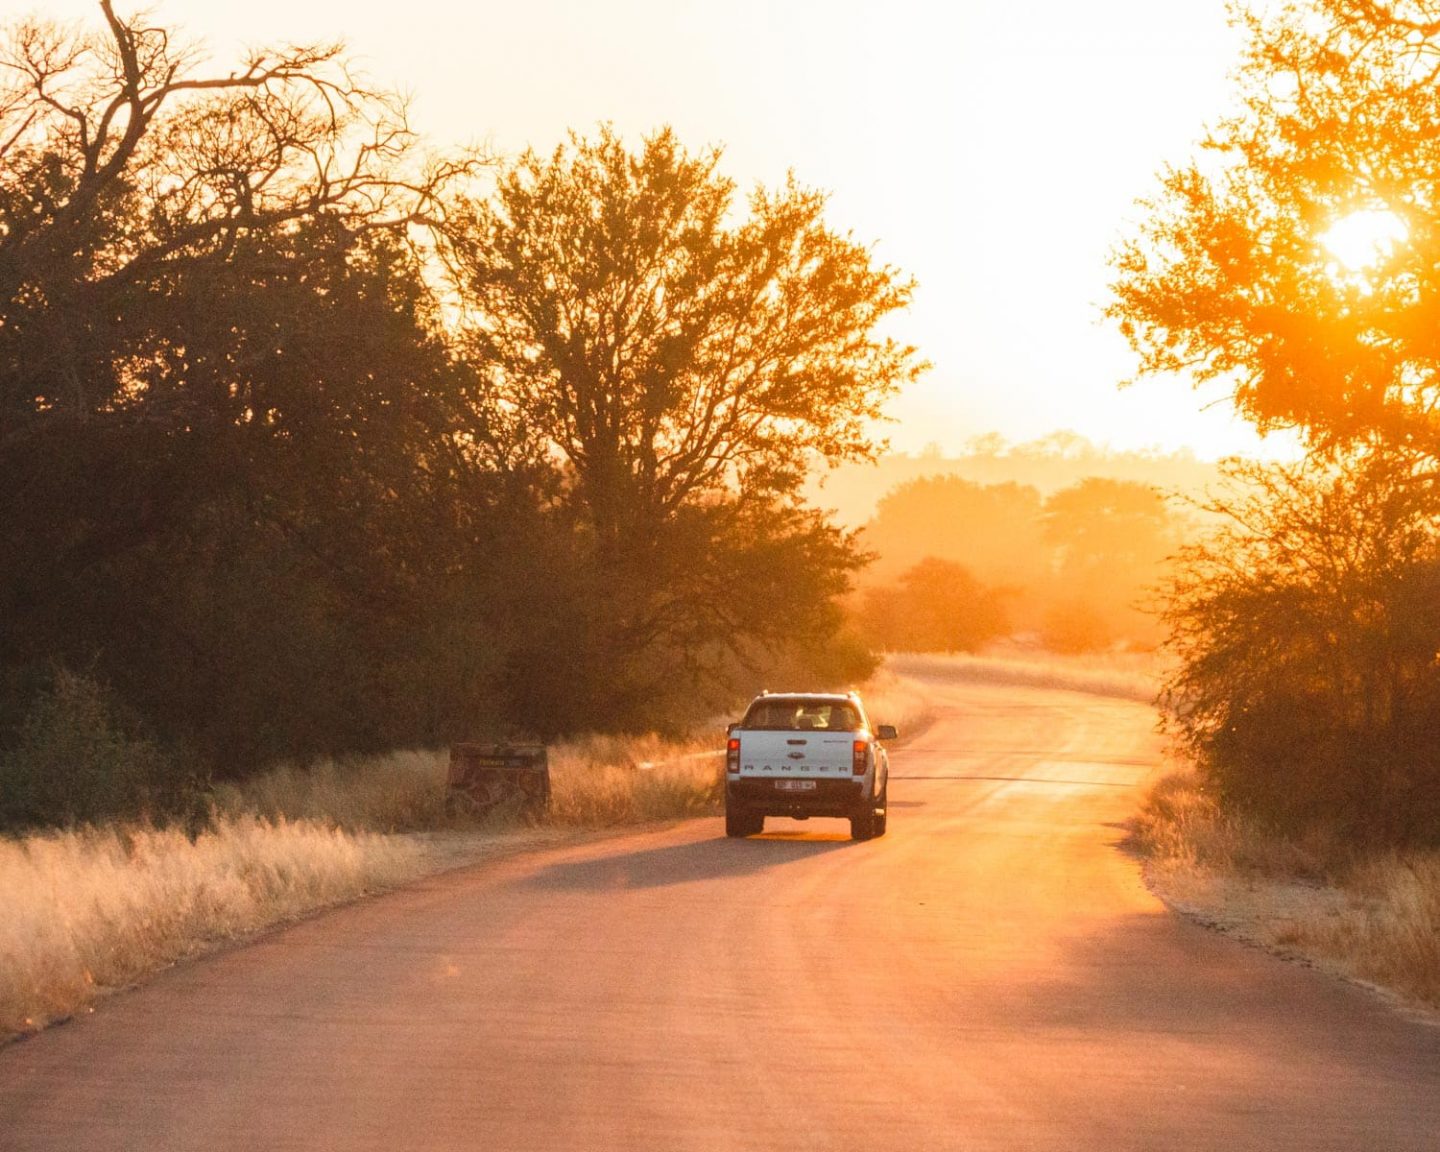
{"type": "Point", "coordinates": [992, 150]}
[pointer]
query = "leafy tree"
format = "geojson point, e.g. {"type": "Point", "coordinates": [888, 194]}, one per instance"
{"type": "Point", "coordinates": [936, 606]}
{"type": "Point", "coordinates": [671, 356]}
{"type": "Point", "coordinates": [1307, 630]}
{"type": "Point", "coordinates": [1109, 540]}
{"type": "Point", "coordinates": [686, 369]}
{"type": "Point", "coordinates": [241, 459]}
{"type": "Point", "coordinates": [1111, 526]}
{"type": "Point", "coordinates": [77, 758]}
{"type": "Point", "coordinates": [1229, 277]}
{"type": "Point", "coordinates": [1071, 567]}
{"type": "Point", "coordinates": [991, 529]}
{"type": "Point", "coordinates": [125, 166]}
{"type": "Point", "coordinates": [152, 217]}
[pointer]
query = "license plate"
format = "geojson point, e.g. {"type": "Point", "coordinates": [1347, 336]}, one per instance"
{"type": "Point", "coordinates": [795, 785]}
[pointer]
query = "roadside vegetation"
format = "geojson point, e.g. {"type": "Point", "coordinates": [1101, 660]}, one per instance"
{"type": "Point", "coordinates": [293, 424]}
{"type": "Point", "coordinates": [1127, 675]}
{"type": "Point", "coordinates": [1369, 915]}
{"type": "Point", "coordinates": [1294, 264]}
{"type": "Point", "coordinates": [96, 907]}
{"type": "Point", "coordinates": [90, 909]}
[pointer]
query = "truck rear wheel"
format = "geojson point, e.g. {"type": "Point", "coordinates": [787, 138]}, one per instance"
{"type": "Point", "coordinates": [862, 823]}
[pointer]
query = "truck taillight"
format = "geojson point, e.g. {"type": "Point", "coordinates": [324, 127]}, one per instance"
{"type": "Point", "coordinates": [732, 754]}
{"type": "Point", "coordinates": [862, 749]}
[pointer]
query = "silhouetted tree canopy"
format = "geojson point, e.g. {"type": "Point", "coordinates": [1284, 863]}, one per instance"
{"type": "Point", "coordinates": [235, 440]}
{"type": "Point", "coordinates": [672, 355]}
{"type": "Point", "coordinates": [266, 499]}
{"type": "Point", "coordinates": [181, 265]}
{"type": "Point", "coordinates": [1306, 629]}
{"type": "Point", "coordinates": [684, 369]}
{"type": "Point", "coordinates": [992, 529]}
{"type": "Point", "coordinates": [1228, 278]}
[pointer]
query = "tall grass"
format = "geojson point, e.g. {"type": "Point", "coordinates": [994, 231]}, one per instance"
{"type": "Point", "coordinates": [603, 781]}
{"type": "Point", "coordinates": [1390, 928]}
{"type": "Point", "coordinates": [596, 781]}
{"type": "Point", "coordinates": [394, 792]}
{"type": "Point", "coordinates": [88, 910]}
{"type": "Point", "coordinates": [1127, 675]}
{"type": "Point", "coordinates": [1370, 917]}
{"type": "Point", "coordinates": [95, 909]}
{"type": "Point", "coordinates": [892, 698]}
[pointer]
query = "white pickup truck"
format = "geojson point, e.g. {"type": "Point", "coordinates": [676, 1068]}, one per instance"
{"type": "Point", "coordinates": [807, 754]}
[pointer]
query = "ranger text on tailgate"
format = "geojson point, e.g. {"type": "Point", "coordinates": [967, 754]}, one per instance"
{"type": "Point", "coordinates": [807, 754]}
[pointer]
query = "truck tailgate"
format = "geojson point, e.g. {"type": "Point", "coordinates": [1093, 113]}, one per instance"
{"type": "Point", "coordinates": [791, 753]}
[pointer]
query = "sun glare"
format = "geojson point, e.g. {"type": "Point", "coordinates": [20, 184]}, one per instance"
{"type": "Point", "coordinates": [1364, 239]}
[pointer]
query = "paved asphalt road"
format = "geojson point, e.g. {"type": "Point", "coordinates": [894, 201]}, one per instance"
{"type": "Point", "coordinates": [990, 975]}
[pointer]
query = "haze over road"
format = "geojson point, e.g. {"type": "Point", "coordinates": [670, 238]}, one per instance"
{"type": "Point", "coordinates": [990, 975]}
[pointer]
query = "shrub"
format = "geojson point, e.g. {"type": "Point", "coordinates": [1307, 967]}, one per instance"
{"type": "Point", "coordinates": [1306, 629]}
{"type": "Point", "coordinates": [77, 759]}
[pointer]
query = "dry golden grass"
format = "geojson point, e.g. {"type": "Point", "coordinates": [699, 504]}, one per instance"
{"type": "Point", "coordinates": [91, 910]}
{"type": "Point", "coordinates": [394, 792]}
{"type": "Point", "coordinates": [597, 781]}
{"type": "Point", "coordinates": [1128, 675]}
{"type": "Point", "coordinates": [1375, 919]}
{"type": "Point", "coordinates": [1390, 927]}
{"type": "Point", "coordinates": [892, 698]}
{"type": "Point", "coordinates": [603, 781]}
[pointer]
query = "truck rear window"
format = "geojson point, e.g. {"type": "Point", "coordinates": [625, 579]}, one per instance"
{"type": "Point", "coordinates": [801, 716]}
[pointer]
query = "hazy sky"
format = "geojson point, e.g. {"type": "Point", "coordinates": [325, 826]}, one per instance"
{"type": "Point", "coordinates": [992, 150]}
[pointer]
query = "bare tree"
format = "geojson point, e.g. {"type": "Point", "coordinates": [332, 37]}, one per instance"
{"type": "Point", "coordinates": [120, 158]}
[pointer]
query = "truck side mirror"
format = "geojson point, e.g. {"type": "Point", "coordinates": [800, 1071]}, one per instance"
{"type": "Point", "coordinates": [886, 732]}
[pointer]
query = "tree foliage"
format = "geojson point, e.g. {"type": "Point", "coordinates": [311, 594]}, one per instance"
{"type": "Point", "coordinates": [936, 606]}
{"type": "Point", "coordinates": [262, 487]}
{"type": "Point", "coordinates": [1307, 628]}
{"type": "Point", "coordinates": [125, 166]}
{"type": "Point", "coordinates": [1307, 631]}
{"type": "Point", "coordinates": [1229, 278]}
{"type": "Point", "coordinates": [671, 355]}
{"type": "Point", "coordinates": [232, 431]}
{"type": "Point", "coordinates": [77, 758]}
{"type": "Point", "coordinates": [685, 368]}
{"type": "Point", "coordinates": [995, 530]}
{"type": "Point", "coordinates": [182, 257]}
{"type": "Point", "coordinates": [1072, 568]}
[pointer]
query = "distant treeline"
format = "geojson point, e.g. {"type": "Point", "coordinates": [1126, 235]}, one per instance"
{"type": "Point", "coordinates": [959, 564]}
{"type": "Point", "coordinates": [314, 444]}
{"type": "Point", "coordinates": [1048, 464]}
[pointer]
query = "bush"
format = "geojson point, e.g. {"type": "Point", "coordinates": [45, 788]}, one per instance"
{"type": "Point", "coordinates": [76, 759]}
{"type": "Point", "coordinates": [1307, 628]}
{"type": "Point", "coordinates": [936, 606]}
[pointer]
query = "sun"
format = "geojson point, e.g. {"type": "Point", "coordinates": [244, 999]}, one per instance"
{"type": "Point", "coordinates": [1364, 239]}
